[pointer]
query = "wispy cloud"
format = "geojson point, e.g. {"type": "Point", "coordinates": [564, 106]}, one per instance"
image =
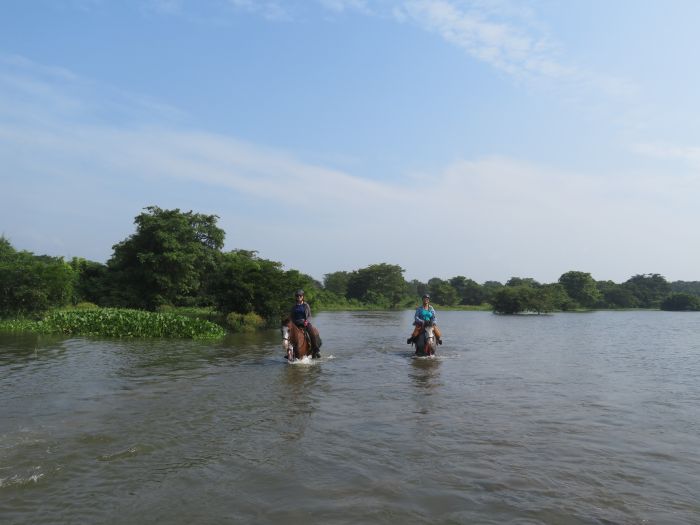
{"type": "Point", "coordinates": [501, 45]}
{"type": "Point", "coordinates": [689, 155]}
{"type": "Point", "coordinates": [71, 165]}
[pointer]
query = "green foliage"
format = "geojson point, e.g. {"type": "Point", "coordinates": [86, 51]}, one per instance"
{"type": "Point", "coordinates": [245, 283]}
{"type": "Point", "coordinates": [249, 322]}
{"type": "Point", "coordinates": [522, 281]}
{"type": "Point", "coordinates": [336, 282]}
{"type": "Point", "coordinates": [122, 322]}
{"type": "Point", "coordinates": [490, 288]}
{"type": "Point", "coordinates": [679, 302]}
{"type": "Point", "coordinates": [92, 283]}
{"type": "Point", "coordinates": [581, 287]}
{"type": "Point", "coordinates": [525, 298]}
{"type": "Point", "coordinates": [511, 299]}
{"type": "Point", "coordinates": [442, 292]}
{"type": "Point", "coordinates": [379, 284]}
{"type": "Point", "coordinates": [616, 295]}
{"type": "Point", "coordinates": [649, 289]}
{"type": "Point", "coordinates": [31, 284]}
{"type": "Point", "coordinates": [166, 260]}
{"type": "Point", "coordinates": [468, 291]}
{"type": "Point", "coordinates": [689, 287]}
{"type": "Point", "coordinates": [20, 325]}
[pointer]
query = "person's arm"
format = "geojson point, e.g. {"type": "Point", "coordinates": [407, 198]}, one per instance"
{"type": "Point", "coordinates": [418, 318]}
{"type": "Point", "coordinates": [307, 311]}
{"type": "Point", "coordinates": [434, 314]}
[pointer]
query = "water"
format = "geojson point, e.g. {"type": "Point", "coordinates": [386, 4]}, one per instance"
{"type": "Point", "coordinates": [559, 419]}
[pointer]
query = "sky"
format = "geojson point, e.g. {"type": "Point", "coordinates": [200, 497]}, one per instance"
{"type": "Point", "coordinates": [484, 138]}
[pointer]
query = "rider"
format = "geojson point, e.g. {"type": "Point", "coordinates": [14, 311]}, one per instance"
{"type": "Point", "coordinates": [424, 313]}
{"type": "Point", "coordinates": [301, 314]}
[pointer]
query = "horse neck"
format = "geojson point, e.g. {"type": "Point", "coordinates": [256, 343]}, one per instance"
{"type": "Point", "coordinates": [298, 336]}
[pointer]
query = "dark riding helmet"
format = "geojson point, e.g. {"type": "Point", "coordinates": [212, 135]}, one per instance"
{"type": "Point", "coordinates": [299, 293]}
{"type": "Point", "coordinates": [426, 295]}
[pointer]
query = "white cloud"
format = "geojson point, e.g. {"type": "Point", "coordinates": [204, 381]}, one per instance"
{"type": "Point", "coordinates": [689, 155]}
{"type": "Point", "coordinates": [346, 5]}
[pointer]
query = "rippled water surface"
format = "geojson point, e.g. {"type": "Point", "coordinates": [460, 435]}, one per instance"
{"type": "Point", "coordinates": [560, 419]}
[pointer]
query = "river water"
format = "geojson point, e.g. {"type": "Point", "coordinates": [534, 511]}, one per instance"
{"type": "Point", "coordinates": [557, 419]}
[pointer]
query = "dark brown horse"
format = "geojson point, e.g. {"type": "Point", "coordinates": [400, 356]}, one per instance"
{"type": "Point", "coordinates": [295, 341]}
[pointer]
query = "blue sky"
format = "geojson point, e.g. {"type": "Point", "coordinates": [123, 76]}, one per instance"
{"type": "Point", "coordinates": [485, 138]}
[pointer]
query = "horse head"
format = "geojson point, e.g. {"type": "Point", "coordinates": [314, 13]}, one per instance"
{"type": "Point", "coordinates": [425, 344]}
{"type": "Point", "coordinates": [287, 344]}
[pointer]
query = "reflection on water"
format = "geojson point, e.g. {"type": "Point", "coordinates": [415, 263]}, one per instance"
{"type": "Point", "coordinates": [560, 419]}
{"type": "Point", "coordinates": [425, 373]}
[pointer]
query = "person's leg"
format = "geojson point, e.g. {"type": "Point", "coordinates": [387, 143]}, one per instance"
{"type": "Point", "coordinates": [313, 338]}
{"type": "Point", "coordinates": [438, 334]}
{"type": "Point", "coordinates": [416, 331]}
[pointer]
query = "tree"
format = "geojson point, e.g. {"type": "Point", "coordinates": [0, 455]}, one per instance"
{"type": "Point", "coordinates": [522, 281]}
{"type": "Point", "coordinates": [444, 294]}
{"type": "Point", "coordinates": [581, 287]}
{"type": "Point", "coordinates": [468, 290]}
{"type": "Point", "coordinates": [678, 302]}
{"type": "Point", "coordinates": [490, 288]}
{"type": "Point", "coordinates": [245, 283]}
{"type": "Point", "coordinates": [649, 289]}
{"type": "Point", "coordinates": [690, 287]}
{"type": "Point", "coordinates": [512, 299]}
{"type": "Point", "coordinates": [615, 295]}
{"type": "Point", "coordinates": [92, 282]}
{"type": "Point", "coordinates": [525, 298]}
{"type": "Point", "coordinates": [382, 280]}
{"type": "Point", "coordinates": [30, 284]}
{"type": "Point", "coordinates": [167, 259]}
{"type": "Point", "coordinates": [337, 282]}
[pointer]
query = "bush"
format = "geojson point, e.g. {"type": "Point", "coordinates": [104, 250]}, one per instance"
{"type": "Point", "coordinates": [244, 322]}
{"type": "Point", "coordinates": [31, 284]}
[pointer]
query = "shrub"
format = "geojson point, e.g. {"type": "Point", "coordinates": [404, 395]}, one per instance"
{"type": "Point", "coordinates": [244, 322]}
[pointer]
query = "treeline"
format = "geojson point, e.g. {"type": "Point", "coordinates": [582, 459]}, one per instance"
{"type": "Point", "coordinates": [175, 259]}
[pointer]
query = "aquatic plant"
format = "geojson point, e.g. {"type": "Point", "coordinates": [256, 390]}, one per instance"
{"type": "Point", "coordinates": [119, 322]}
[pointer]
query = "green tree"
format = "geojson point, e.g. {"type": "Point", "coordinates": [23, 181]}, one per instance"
{"type": "Point", "coordinates": [581, 287]}
{"type": "Point", "coordinates": [490, 288]}
{"type": "Point", "coordinates": [525, 298]}
{"type": "Point", "coordinates": [512, 299]}
{"type": "Point", "coordinates": [378, 280]}
{"type": "Point", "coordinates": [337, 282]}
{"type": "Point", "coordinates": [92, 282]}
{"type": "Point", "coordinates": [166, 260]}
{"type": "Point", "coordinates": [30, 284]}
{"type": "Point", "coordinates": [690, 287]}
{"type": "Point", "coordinates": [442, 292]}
{"type": "Point", "coordinates": [522, 281]}
{"type": "Point", "coordinates": [245, 283]}
{"type": "Point", "coordinates": [615, 295]}
{"type": "Point", "coordinates": [649, 289]}
{"type": "Point", "coordinates": [679, 302]}
{"type": "Point", "coordinates": [469, 291]}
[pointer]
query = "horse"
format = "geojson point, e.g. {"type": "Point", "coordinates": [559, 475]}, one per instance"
{"type": "Point", "coordinates": [294, 341]}
{"type": "Point", "coordinates": [425, 341]}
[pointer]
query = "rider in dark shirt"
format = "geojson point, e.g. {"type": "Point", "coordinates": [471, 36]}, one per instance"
{"type": "Point", "coordinates": [301, 315]}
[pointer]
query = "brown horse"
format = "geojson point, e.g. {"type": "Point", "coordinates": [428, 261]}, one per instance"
{"type": "Point", "coordinates": [295, 341]}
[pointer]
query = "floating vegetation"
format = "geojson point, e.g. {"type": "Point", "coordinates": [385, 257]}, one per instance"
{"type": "Point", "coordinates": [118, 322]}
